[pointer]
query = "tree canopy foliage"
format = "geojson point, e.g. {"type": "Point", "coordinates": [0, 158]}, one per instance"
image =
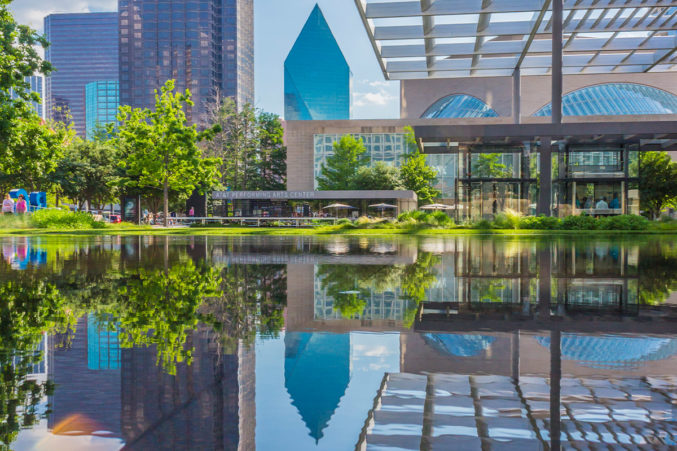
{"type": "Point", "coordinates": [340, 169]}
{"type": "Point", "coordinates": [657, 183]}
{"type": "Point", "coordinates": [159, 148]}
{"type": "Point", "coordinates": [249, 147]}
{"type": "Point", "coordinates": [416, 175]}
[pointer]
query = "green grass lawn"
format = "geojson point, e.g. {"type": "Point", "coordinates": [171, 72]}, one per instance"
{"type": "Point", "coordinates": [324, 230]}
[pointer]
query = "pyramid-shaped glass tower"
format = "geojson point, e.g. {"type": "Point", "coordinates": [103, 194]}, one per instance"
{"type": "Point", "coordinates": [316, 75]}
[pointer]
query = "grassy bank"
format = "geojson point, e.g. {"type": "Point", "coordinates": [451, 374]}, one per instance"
{"type": "Point", "coordinates": [318, 231]}
{"type": "Point", "coordinates": [57, 222]}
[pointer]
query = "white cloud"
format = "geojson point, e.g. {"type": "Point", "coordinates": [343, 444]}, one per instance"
{"type": "Point", "coordinates": [377, 98]}
{"type": "Point", "coordinates": [33, 12]}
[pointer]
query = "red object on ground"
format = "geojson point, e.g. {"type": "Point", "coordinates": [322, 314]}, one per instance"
{"type": "Point", "coordinates": [115, 219]}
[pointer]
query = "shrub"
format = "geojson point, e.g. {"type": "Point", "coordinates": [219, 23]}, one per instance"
{"type": "Point", "coordinates": [443, 219]}
{"type": "Point", "coordinates": [539, 223]}
{"type": "Point", "coordinates": [582, 222]}
{"type": "Point", "coordinates": [483, 224]}
{"type": "Point", "coordinates": [63, 219]}
{"type": "Point", "coordinates": [344, 221]}
{"type": "Point", "coordinates": [624, 222]}
{"type": "Point", "coordinates": [510, 219]}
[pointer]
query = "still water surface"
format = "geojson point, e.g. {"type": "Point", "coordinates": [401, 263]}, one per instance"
{"type": "Point", "coordinates": [304, 343]}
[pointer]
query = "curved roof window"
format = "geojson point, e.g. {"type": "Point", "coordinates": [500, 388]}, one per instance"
{"type": "Point", "coordinates": [458, 106]}
{"type": "Point", "coordinates": [613, 351]}
{"type": "Point", "coordinates": [614, 99]}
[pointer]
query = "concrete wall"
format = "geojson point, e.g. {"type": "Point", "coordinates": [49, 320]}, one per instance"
{"type": "Point", "coordinates": [416, 96]}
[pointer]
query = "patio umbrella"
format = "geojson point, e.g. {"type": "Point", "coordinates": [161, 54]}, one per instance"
{"type": "Point", "coordinates": [338, 207]}
{"type": "Point", "coordinates": [436, 207]}
{"type": "Point", "coordinates": [382, 207]}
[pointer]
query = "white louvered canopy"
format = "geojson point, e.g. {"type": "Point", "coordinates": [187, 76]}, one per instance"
{"type": "Point", "coordinates": [463, 38]}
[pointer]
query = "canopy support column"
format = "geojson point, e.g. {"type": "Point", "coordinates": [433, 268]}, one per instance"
{"type": "Point", "coordinates": [556, 61]}
{"type": "Point", "coordinates": [545, 188]}
{"type": "Point", "coordinates": [516, 95]}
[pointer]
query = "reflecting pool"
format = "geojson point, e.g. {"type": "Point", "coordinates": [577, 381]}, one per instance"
{"type": "Point", "coordinates": [310, 343]}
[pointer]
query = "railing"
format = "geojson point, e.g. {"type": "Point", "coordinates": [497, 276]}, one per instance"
{"type": "Point", "coordinates": [251, 221]}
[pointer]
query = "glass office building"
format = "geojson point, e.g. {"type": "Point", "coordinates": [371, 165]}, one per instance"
{"type": "Point", "coordinates": [207, 46]}
{"type": "Point", "coordinates": [102, 99]}
{"type": "Point", "coordinates": [317, 77]}
{"type": "Point", "coordinates": [390, 149]}
{"type": "Point", "coordinates": [83, 48]}
{"type": "Point", "coordinates": [35, 83]}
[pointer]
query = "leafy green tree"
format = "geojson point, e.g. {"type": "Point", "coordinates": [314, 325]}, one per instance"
{"type": "Point", "coordinates": [34, 150]}
{"type": "Point", "coordinates": [161, 150]}
{"type": "Point", "coordinates": [19, 58]}
{"type": "Point", "coordinates": [381, 176]}
{"type": "Point", "coordinates": [87, 172]}
{"type": "Point", "coordinates": [235, 145]}
{"type": "Point", "coordinates": [657, 183]}
{"type": "Point", "coordinates": [272, 156]}
{"type": "Point", "coordinates": [249, 146]}
{"type": "Point", "coordinates": [415, 173]}
{"type": "Point", "coordinates": [489, 165]}
{"type": "Point", "coordinates": [340, 169]}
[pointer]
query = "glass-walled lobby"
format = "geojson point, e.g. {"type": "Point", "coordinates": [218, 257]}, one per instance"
{"type": "Point", "coordinates": [496, 179]}
{"type": "Point", "coordinates": [596, 181]}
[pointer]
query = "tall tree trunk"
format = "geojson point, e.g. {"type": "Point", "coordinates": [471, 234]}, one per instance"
{"type": "Point", "coordinates": [166, 202]}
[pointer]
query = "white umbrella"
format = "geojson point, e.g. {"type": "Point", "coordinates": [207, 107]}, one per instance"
{"type": "Point", "coordinates": [436, 207]}
{"type": "Point", "coordinates": [338, 207]}
{"type": "Point", "coordinates": [382, 207]}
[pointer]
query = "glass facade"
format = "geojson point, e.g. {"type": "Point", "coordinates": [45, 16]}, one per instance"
{"type": "Point", "coordinates": [317, 77]}
{"type": "Point", "coordinates": [459, 106]}
{"type": "Point", "coordinates": [35, 83]}
{"type": "Point", "coordinates": [614, 99]}
{"type": "Point", "coordinates": [388, 148]}
{"type": "Point", "coordinates": [102, 99]}
{"type": "Point", "coordinates": [207, 46]}
{"type": "Point", "coordinates": [596, 180]}
{"type": "Point", "coordinates": [83, 48]}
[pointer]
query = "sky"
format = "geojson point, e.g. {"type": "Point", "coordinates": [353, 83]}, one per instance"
{"type": "Point", "coordinates": [277, 23]}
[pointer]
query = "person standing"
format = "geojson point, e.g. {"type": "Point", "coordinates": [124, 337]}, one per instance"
{"type": "Point", "coordinates": [7, 205]}
{"type": "Point", "coordinates": [21, 206]}
{"type": "Point", "coordinates": [191, 212]}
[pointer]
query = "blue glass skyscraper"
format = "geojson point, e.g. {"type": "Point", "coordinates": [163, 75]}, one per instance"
{"type": "Point", "coordinates": [83, 48]}
{"type": "Point", "coordinates": [316, 75]}
{"type": "Point", "coordinates": [102, 99]}
{"type": "Point", "coordinates": [206, 46]}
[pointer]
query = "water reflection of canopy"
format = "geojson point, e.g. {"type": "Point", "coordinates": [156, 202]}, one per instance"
{"type": "Point", "coordinates": [316, 375]}
{"type": "Point", "coordinates": [613, 351]}
{"type": "Point", "coordinates": [466, 345]}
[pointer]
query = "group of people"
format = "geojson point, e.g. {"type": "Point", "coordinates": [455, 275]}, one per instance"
{"type": "Point", "coordinates": [9, 207]}
{"type": "Point", "coordinates": [588, 203]}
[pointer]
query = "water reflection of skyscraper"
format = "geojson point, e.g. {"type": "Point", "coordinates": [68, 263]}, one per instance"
{"type": "Point", "coordinates": [316, 374]}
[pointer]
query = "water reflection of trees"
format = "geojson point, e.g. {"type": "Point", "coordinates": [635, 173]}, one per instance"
{"type": "Point", "coordinates": [351, 285]}
{"type": "Point", "coordinates": [657, 268]}
{"type": "Point", "coordinates": [29, 309]}
{"type": "Point", "coordinates": [153, 298]}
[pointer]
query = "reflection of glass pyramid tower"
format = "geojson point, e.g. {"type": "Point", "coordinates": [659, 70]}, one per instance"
{"type": "Point", "coordinates": [316, 75]}
{"type": "Point", "coordinates": [316, 375]}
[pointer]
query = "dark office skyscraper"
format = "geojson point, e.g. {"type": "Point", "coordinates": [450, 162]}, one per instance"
{"type": "Point", "coordinates": [84, 48]}
{"type": "Point", "coordinates": [207, 46]}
